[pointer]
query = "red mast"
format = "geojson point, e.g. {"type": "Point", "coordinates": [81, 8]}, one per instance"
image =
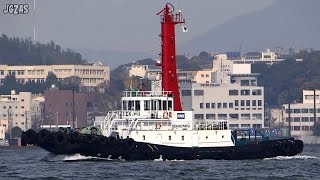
{"type": "Point", "coordinates": [168, 45]}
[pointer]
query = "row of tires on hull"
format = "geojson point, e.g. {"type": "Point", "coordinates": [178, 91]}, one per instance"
{"type": "Point", "coordinates": [88, 144]}
{"type": "Point", "coordinates": [284, 147]}
{"type": "Point", "coordinates": [266, 149]}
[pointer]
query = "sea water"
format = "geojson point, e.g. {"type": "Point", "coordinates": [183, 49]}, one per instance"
{"type": "Point", "coordinates": [35, 163]}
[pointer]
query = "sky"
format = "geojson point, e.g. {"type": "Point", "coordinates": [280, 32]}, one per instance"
{"type": "Point", "coordinates": [117, 25]}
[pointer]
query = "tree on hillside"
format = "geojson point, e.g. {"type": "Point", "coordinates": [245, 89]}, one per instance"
{"type": "Point", "coordinates": [51, 80]}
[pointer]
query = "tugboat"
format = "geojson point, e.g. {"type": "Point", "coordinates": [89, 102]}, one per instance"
{"type": "Point", "coordinates": [152, 124]}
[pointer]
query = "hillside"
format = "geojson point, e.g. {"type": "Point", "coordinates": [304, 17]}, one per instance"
{"type": "Point", "coordinates": [16, 51]}
{"type": "Point", "coordinates": [287, 23]}
{"type": "Point", "coordinates": [291, 74]}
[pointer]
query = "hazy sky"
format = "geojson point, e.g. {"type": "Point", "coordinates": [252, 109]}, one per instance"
{"type": "Point", "coordinates": [121, 25]}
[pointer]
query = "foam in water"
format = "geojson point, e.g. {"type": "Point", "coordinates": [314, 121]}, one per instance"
{"type": "Point", "coordinates": [292, 157]}
{"type": "Point", "coordinates": [160, 158]}
{"type": "Point", "coordinates": [79, 157]}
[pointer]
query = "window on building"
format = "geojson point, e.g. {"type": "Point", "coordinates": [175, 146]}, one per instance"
{"type": "Point", "coordinates": [208, 105]}
{"type": "Point", "coordinates": [245, 92]}
{"type": "Point", "coordinates": [259, 102]}
{"type": "Point", "coordinates": [311, 110]}
{"type": "Point", "coordinates": [4, 107]}
{"type": "Point", "coordinates": [245, 116]}
{"type": "Point", "coordinates": [242, 102]}
{"type": "Point", "coordinates": [257, 126]}
{"type": "Point", "coordinates": [198, 116]}
{"type": "Point", "coordinates": [202, 75]}
{"type": "Point", "coordinates": [210, 116]}
{"type": "Point", "coordinates": [306, 119]}
{"type": "Point", "coordinates": [304, 110]}
{"type": "Point", "coordinates": [234, 116]}
{"type": "Point", "coordinates": [225, 105]}
{"type": "Point", "coordinates": [186, 92]}
{"type": "Point", "coordinates": [22, 107]}
{"type": "Point", "coordinates": [222, 116]}
{"type": "Point", "coordinates": [257, 116]}
{"type": "Point", "coordinates": [213, 105]}
{"type": "Point", "coordinates": [201, 105]}
{"type": "Point", "coordinates": [219, 106]}
{"type": "Point", "coordinates": [198, 92]}
{"type": "Point", "coordinates": [236, 103]}
{"type": "Point", "coordinates": [143, 137]}
{"type": "Point", "coordinates": [296, 128]}
{"type": "Point", "coordinates": [296, 110]}
{"type": "Point", "coordinates": [230, 105]}
{"type": "Point", "coordinates": [233, 92]}
{"type": "Point", "coordinates": [22, 100]}
{"type": "Point", "coordinates": [245, 125]}
{"type": "Point", "coordinates": [234, 126]}
{"type": "Point", "coordinates": [207, 75]}
{"type": "Point", "coordinates": [182, 138]}
{"type": "Point", "coordinates": [247, 102]}
{"type": "Point", "coordinates": [296, 119]}
{"type": "Point", "coordinates": [256, 92]}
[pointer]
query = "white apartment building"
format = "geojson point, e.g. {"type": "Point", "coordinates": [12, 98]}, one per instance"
{"type": "Point", "coordinates": [91, 75]}
{"type": "Point", "coordinates": [302, 114]}
{"type": "Point", "coordinates": [13, 110]}
{"type": "Point", "coordinates": [241, 105]}
{"type": "Point", "coordinates": [267, 57]}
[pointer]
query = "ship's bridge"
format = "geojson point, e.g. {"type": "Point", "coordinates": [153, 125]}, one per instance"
{"type": "Point", "coordinates": [147, 104]}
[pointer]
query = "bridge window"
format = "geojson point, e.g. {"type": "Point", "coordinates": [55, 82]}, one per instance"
{"type": "Point", "coordinates": [146, 105]}
{"type": "Point", "coordinates": [169, 138]}
{"type": "Point", "coordinates": [182, 138]}
{"type": "Point", "coordinates": [137, 105]}
{"type": "Point", "coordinates": [169, 105]}
{"type": "Point", "coordinates": [124, 105]}
{"type": "Point", "coordinates": [164, 105]}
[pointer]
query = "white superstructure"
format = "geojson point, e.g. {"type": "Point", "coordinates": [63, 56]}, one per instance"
{"type": "Point", "coordinates": [147, 116]}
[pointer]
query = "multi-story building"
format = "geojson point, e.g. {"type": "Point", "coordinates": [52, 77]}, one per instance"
{"type": "Point", "coordinates": [91, 75]}
{"type": "Point", "coordinates": [240, 103]}
{"type": "Point", "coordinates": [65, 108]}
{"type": "Point", "coordinates": [302, 114]}
{"type": "Point", "coordinates": [14, 110]}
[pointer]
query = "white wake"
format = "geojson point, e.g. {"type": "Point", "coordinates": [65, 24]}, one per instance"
{"type": "Point", "coordinates": [79, 157]}
{"type": "Point", "coordinates": [303, 157]}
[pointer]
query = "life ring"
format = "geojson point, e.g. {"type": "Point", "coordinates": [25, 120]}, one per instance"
{"type": "Point", "coordinates": [42, 136]}
{"type": "Point", "coordinates": [60, 138]}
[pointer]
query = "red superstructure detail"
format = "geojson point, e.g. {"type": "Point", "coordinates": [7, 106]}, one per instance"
{"type": "Point", "coordinates": [168, 45]}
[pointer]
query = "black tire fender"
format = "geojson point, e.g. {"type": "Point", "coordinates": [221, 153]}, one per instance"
{"type": "Point", "coordinates": [60, 138]}
{"type": "Point", "coordinates": [42, 136]}
{"type": "Point", "coordinates": [129, 143]}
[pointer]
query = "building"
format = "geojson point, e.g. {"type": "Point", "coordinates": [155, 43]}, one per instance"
{"type": "Point", "coordinates": [91, 75]}
{"type": "Point", "coordinates": [243, 105]}
{"type": "Point", "coordinates": [15, 109]}
{"type": "Point", "coordinates": [302, 114]}
{"type": "Point", "coordinates": [65, 108]}
{"type": "Point", "coordinates": [267, 57]}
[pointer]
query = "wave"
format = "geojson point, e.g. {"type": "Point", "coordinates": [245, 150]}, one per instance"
{"type": "Point", "coordinates": [303, 157]}
{"type": "Point", "coordinates": [79, 157]}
